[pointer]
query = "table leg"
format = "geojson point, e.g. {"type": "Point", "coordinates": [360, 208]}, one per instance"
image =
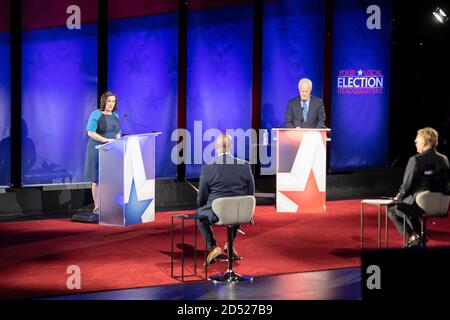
{"type": "Point", "coordinates": [171, 248]}
{"type": "Point", "coordinates": [182, 250]}
{"type": "Point", "coordinates": [195, 247]}
{"type": "Point", "coordinates": [404, 231]}
{"type": "Point", "coordinates": [379, 226]}
{"type": "Point", "coordinates": [386, 231]}
{"type": "Point", "coordinates": [362, 226]}
{"type": "Point", "coordinates": [206, 257]}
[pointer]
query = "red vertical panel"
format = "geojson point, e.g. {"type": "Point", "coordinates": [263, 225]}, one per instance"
{"type": "Point", "coordinates": [4, 15]}
{"type": "Point", "coordinates": [207, 4]}
{"type": "Point", "coordinates": [118, 9]}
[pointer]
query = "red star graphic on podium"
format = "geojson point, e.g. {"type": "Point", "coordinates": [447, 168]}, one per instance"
{"type": "Point", "coordinates": [309, 201]}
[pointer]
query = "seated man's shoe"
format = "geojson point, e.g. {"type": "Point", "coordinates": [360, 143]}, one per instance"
{"type": "Point", "coordinates": [235, 254]}
{"type": "Point", "coordinates": [414, 244]}
{"type": "Point", "coordinates": [214, 255]}
{"type": "Point", "coordinates": [414, 241]}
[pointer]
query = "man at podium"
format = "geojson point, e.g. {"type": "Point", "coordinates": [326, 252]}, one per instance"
{"type": "Point", "coordinates": [305, 110]}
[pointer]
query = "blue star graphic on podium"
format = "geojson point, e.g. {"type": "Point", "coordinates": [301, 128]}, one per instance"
{"type": "Point", "coordinates": [134, 209]}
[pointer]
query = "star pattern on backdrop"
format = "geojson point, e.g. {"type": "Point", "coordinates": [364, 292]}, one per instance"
{"type": "Point", "coordinates": [38, 65]}
{"type": "Point", "coordinates": [220, 67]}
{"type": "Point", "coordinates": [63, 52]}
{"type": "Point", "coordinates": [152, 30]}
{"type": "Point", "coordinates": [172, 67]}
{"type": "Point", "coordinates": [198, 100]}
{"type": "Point", "coordinates": [152, 101]}
{"type": "Point", "coordinates": [283, 30]}
{"type": "Point", "coordinates": [269, 65]}
{"type": "Point", "coordinates": [85, 65]}
{"type": "Point", "coordinates": [135, 64]}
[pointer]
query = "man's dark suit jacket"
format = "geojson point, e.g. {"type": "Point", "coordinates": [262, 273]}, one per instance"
{"type": "Point", "coordinates": [316, 114]}
{"type": "Point", "coordinates": [425, 171]}
{"type": "Point", "coordinates": [225, 177]}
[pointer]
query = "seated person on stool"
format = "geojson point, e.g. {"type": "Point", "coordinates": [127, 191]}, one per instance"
{"type": "Point", "coordinates": [425, 171]}
{"type": "Point", "coordinates": [226, 176]}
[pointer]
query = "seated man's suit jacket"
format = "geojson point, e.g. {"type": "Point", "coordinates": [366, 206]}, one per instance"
{"type": "Point", "coordinates": [225, 177]}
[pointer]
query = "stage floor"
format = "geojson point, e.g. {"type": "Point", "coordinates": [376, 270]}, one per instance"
{"type": "Point", "coordinates": [35, 255]}
{"type": "Point", "coordinates": [343, 284]}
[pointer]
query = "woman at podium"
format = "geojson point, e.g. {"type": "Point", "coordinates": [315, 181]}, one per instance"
{"type": "Point", "coordinates": [103, 127]}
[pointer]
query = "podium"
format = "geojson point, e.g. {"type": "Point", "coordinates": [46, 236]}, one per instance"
{"type": "Point", "coordinates": [301, 170]}
{"type": "Point", "coordinates": [126, 189]}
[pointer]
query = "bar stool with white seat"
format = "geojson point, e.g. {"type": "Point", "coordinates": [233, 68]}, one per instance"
{"type": "Point", "coordinates": [434, 205]}
{"type": "Point", "coordinates": [232, 211]}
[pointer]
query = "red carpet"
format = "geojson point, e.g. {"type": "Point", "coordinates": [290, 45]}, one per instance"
{"type": "Point", "coordinates": [34, 255]}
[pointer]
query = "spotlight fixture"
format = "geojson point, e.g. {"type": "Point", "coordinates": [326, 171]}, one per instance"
{"type": "Point", "coordinates": [440, 15]}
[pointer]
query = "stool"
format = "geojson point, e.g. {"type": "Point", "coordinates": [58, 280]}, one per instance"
{"type": "Point", "coordinates": [232, 211]}
{"type": "Point", "coordinates": [377, 203]}
{"type": "Point", "coordinates": [183, 218]}
{"type": "Point", "coordinates": [434, 205]}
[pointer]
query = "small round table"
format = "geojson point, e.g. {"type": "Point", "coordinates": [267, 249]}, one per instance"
{"type": "Point", "coordinates": [379, 203]}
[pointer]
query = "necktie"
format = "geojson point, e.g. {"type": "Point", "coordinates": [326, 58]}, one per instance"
{"type": "Point", "coordinates": [305, 111]}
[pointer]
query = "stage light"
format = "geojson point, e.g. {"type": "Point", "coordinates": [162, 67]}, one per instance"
{"type": "Point", "coordinates": [440, 15]}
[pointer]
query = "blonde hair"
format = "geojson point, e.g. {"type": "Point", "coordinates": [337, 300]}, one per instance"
{"type": "Point", "coordinates": [429, 136]}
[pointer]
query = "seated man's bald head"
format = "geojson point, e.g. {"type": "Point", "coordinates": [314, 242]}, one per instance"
{"type": "Point", "coordinates": [223, 143]}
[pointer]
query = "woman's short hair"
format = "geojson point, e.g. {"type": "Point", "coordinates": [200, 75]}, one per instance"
{"type": "Point", "coordinates": [105, 97]}
{"type": "Point", "coordinates": [429, 136]}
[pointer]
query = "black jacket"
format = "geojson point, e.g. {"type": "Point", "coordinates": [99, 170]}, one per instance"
{"type": "Point", "coordinates": [425, 171]}
{"type": "Point", "coordinates": [315, 118]}
{"type": "Point", "coordinates": [225, 177]}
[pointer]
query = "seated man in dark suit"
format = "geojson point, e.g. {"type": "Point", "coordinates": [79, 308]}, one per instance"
{"type": "Point", "coordinates": [305, 111]}
{"type": "Point", "coordinates": [427, 170]}
{"type": "Point", "coordinates": [226, 176]}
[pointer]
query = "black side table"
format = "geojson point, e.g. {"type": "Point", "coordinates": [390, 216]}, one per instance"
{"type": "Point", "coordinates": [183, 218]}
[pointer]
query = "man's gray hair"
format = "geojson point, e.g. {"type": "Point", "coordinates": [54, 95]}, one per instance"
{"type": "Point", "coordinates": [307, 81]}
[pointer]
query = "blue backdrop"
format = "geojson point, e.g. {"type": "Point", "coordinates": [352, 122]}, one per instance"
{"type": "Point", "coordinates": [5, 110]}
{"type": "Point", "coordinates": [361, 82]}
{"type": "Point", "coordinates": [59, 92]}
{"type": "Point", "coordinates": [293, 48]}
{"type": "Point", "coordinates": [220, 51]}
{"type": "Point", "coordinates": [143, 72]}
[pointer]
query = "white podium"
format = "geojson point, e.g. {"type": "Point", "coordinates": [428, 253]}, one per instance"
{"type": "Point", "coordinates": [126, 189]}
{"type": "Point", "coordinates": [301, 170]}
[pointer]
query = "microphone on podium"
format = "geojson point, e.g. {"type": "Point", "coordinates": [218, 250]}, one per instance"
{"type": "Point", "coordinates": [132, 123]}
{"type": "Point", "coordinates": [193, 187]}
